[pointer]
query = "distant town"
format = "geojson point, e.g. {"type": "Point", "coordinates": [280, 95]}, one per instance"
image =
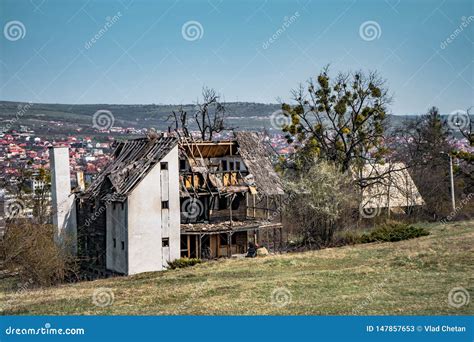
{"type": "Point", "coordinates": [23, 149]}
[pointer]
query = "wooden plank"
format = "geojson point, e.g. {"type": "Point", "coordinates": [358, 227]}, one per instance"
{"type": "Point", "coordinates": [254, 213]}
{"type": "Point", "coordinates": [189, 246]}
{"type": "Point", "coordinates": [197, 246]}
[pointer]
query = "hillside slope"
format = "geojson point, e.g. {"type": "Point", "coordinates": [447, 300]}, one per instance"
{"type": "Point", "coordinates": [38, 116]}
{"type": "Point", "coordinates": [403, 278]}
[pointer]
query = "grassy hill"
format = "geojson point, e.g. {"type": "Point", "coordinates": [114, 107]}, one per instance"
{"type": "Point", "coordinates": [403, 278]}
{"type": "Point", "coordinates": [241, 115]}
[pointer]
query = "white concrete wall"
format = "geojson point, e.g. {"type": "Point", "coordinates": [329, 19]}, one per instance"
{"type": "Point", "coordinates": [173, 227]}
{"type": "Point", "coordinates": [146, 227]}
{"type": "Point", "coordinates": [64, 211]}
{"type": "Point", "coordinates": [116, 223]}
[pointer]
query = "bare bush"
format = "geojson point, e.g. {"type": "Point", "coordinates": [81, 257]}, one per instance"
{"type": "Point", "coordinates": [29, 250]}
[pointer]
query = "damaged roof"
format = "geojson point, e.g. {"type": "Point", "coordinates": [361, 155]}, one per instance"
{"type": "Point", "coordinates": [392, 186]}
{"type": "Point", "coordinates": [256, 154]}
{"type": "Point", "coordinates": [132, 160]}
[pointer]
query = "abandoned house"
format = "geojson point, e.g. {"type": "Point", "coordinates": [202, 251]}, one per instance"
{"type": "Point", "coordinates": [389, 187]}
{"type": "Point", "coordinates": [163, 197]}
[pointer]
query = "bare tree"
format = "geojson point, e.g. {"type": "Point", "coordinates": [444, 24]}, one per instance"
{"type": "Point", "coordinates": [466, 129]}
{"type": "Point", "coordinates": [210, 114]}
{"type": "Point", "coordinates": [180, 119]}
{"type": "Point", "coordinates": [465, 155]}
{"type": "Point", "coordinates": [423, 145]}
{"type": "Point", "coordinates": [209, 117]}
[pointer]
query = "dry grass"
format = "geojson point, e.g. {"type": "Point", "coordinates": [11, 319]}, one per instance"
{"type": "Point", "coordinates": [402, 278]}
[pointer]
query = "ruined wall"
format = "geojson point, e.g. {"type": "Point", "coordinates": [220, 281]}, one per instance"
{"type": "Point", "coordinates": [171, 223]}
{"type": "Point", "coordinates": [91, 245]}
{"type": "Point", "coordinates": [146, 227]}
{"type": "Point", "coordinates": [116, 237]}
{"type": "Point", "coordinates": [239, 209]}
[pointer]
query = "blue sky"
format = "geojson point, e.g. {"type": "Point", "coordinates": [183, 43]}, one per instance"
{"type": "Point", "coordinates": [144, 57]}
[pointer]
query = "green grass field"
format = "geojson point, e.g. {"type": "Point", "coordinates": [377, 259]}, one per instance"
{"type": "Point", "coordinates": [412, 277]}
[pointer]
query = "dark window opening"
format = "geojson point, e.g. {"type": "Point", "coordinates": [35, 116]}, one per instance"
{"type": "Point", "coordinates": [182, 164]}
{"type": "Point", "coordinates": [165, 205]}
{"type": "Point", "coordinates": [123, 245]}
{"type": "Point", "coordinates": [115, 243]}
{"type": "Point", "coordinates": [164, 165]}
{"type": "Point", "coordinates": [224, 165]}
{"type": "Point", "coordinates": [236, 203]}
{"type": "Point", "coordinates": [231, 166]}
{"type": "Point", "coordinates": [165, 242]}
{"type": "Point", "coordinates": [237, 166]}
{"type": "Point", "coordinates": [224, 239]}
{"type": "Point", "coordinates": [223, 203]}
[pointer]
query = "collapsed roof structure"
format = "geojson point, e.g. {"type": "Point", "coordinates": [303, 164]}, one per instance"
{"type": "Point", "coordinates": [162, 197]}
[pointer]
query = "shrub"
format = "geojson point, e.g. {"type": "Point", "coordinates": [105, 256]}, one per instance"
{"type": "Point", "coordinates": [183, 262]}
{"type": "Point", "coordinates": [30, 251]}
{"type": "Point", "coordinates": [391, 232]}
{"type": "Point", "coordinates": [317, 202]}
{"type": "Point", "coordinates": [346, 237]}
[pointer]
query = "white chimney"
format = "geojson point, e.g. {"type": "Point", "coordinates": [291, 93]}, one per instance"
{"type": "Point", "coordinates": [63, 206]}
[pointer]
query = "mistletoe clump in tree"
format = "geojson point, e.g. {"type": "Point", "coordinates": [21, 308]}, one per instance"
{"type": "Point", "coordinates": [341, 120]}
